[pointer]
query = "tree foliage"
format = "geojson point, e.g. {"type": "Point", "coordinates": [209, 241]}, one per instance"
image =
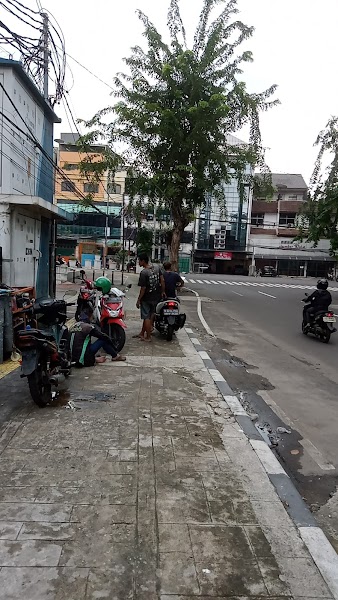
{"type": "Point", "coordinates": [175, 110]}
{"type": "Point", "coordinates": [320, 213]}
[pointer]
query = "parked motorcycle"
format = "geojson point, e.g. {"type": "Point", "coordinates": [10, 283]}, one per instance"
{"type": "Point", "coordinates": [45, 349]}
{"type": "Point", "coordinates": [109, 312]}
{"type": "Point", "coordinates": [86, 297]}
{"type": "Point", "coordinates": [321, 325]}
{"type": "Point", "coordinates": [169, 318]}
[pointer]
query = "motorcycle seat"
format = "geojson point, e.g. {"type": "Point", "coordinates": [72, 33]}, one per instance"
{"type": "Point", "coordinates": [36, 332]}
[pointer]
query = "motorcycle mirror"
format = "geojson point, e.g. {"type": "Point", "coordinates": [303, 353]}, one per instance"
{"type": "Point", "coordinates": [306, 294]}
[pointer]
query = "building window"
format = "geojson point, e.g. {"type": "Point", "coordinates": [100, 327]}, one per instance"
{"type": "Point", "coordinates": [292, 197]}
{"type": "Point", "coordinates": [67, 186]}
{"type": "Point", "coordinates": [70, 166]}
{"type": "Point", "coordinates": [91, 188]}
{"type": "Point", "coordinates": [114, 188]}
{"type": "Point", "coordinates": [287, 219]}
{"type": "Point", "coordinates": [257, 219]}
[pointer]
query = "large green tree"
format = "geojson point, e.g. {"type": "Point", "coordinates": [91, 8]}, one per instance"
{"type": "Point", "coordinates": [320, 214]}
{"type": "Point", "coordinates": [175, 109]}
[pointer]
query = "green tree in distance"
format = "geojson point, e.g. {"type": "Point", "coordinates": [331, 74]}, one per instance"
{"type": "Point", "coordinates": [320, 213]}
{"type": "Point", "coordinates": [175, 109]}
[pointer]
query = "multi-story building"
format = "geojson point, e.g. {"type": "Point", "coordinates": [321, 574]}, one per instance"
{"type": "Point", "coordinates": [274, 230]}
{"type": "Point", "coordinates": [220, 236]}
{"type": "Point", "coordinates": [27, 212]}
{"type": "Point", "coordinates": [93, 224]}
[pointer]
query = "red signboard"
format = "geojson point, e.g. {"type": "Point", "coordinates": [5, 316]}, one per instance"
{"type": "Point", "coordinates": [223, 255]}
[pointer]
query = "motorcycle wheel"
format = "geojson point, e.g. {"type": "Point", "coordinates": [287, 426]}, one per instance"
{"type": "Point", "coordinates": [40, 391]}
{"type": "Point", "coordinates": [303, 328]}
{"type": "Point", "coordinates": [326, 336]}
{"type": "Point", "coordinates": [170, 333]}
{"type": "Point", "coordinates": [117, 335]}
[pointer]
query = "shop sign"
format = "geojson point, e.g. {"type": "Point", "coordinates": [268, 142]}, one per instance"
{"type": "Point", "coordinates": [223, 255]}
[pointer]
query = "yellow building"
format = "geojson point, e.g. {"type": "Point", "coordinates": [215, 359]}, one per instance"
{"type": "Point", "coordinates": [87, 235]}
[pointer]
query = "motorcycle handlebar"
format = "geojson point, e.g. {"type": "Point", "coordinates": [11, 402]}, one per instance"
{"type": "Point", "coordinates": [71, 303]}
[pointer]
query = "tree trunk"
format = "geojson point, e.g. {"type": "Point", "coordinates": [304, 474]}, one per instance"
{"type": "Point", "coordinates": [175, 246]}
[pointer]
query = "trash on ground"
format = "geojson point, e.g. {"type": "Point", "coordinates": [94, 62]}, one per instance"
{"type": "Point", "coordinates": [206, 571]}
{"type": "Point", "coordinates": [72, 406]}
{"type": "Point", "coordinates": [283, 430]}
{"type": "Point", "coordinates": [294, 452]}
{"type": "Point", "coordinates": [254, 416]}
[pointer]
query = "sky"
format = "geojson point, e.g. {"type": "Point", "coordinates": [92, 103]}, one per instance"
{"type": "Point", "coordinates": [295, 46]}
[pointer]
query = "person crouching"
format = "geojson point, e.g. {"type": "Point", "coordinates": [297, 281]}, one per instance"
{"type": "Point", "coordinates": [83, 350]}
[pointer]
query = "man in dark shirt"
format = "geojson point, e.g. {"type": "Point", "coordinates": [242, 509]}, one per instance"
{"type": "Point", "coordinates": [83, 351]}
{"type": "Point", "coordinates": [319, 300]}
{"type": "Point", "coordinates": [172, 280]}
{"type": "Point", "coordinates": [152, 288]}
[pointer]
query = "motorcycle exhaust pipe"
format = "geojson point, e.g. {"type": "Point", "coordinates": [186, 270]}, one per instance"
{"type": "Point", "coordinates": [57, 379]}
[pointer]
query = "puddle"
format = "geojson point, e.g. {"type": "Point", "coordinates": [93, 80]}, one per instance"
{"type": "Point", "coordinates": [76, 400]}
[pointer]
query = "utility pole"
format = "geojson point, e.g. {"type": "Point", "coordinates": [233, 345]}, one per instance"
{"type": "Point", "coordinates": [123, 240]}
{"type": "Point", "coordinates": [45, 42]}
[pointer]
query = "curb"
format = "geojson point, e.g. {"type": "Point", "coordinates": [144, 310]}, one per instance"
{"type": "Point", "coordinates": [319, 547]}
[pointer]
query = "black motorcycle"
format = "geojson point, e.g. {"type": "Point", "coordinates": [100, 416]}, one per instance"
{"type": "Point", "coordinates": [169, 318]}
{"type": "Point", "coordinates": [321, 324]}
{"type": "Point", "coordinates": [86, 297]}
{"type": "Point", "coordinates": [45, 349]}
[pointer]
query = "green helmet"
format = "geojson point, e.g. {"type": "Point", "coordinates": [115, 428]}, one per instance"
{"type": "Point", "coordinates": [103, 284]}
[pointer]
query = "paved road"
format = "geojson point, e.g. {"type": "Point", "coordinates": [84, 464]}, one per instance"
{"type": "Point", "coordinates": [283, 376]}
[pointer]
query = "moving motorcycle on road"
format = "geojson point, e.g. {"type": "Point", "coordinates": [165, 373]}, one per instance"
{"type": "Point", "coordinates": [109, 312]}
{"type": "Point", "coordinates": [86, 297]}
{"type": "Point", "coordinates": [45, 349]}
{"type": "Point", "coordinates": [321, 322]}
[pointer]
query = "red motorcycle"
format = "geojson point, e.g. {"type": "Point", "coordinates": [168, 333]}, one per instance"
{"type": "Point", "coordinates": [86, 297]}
{"type": "Point", "coordinates": [111, 315]}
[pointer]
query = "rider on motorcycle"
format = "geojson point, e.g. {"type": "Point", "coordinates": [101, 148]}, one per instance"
{"type": "Point", "coordinates": [318, 301]}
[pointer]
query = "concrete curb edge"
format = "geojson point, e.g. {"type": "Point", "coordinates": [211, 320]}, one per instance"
{"type": "Point", "coordinates": [314, 538]}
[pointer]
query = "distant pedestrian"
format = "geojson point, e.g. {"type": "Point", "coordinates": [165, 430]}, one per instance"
{"type": "Point", "coordinates": [152, 289]}
{"type": "Point", "coordinates": [83, 351]}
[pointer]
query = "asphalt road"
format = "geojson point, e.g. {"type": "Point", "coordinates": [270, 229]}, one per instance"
{"type": "Point", "coordinates": [288, 379]}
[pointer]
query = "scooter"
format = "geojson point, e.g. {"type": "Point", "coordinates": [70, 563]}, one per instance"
{"type": "Point", "coordinates": [321, 324]}
{"type": "Point", "coordinates": [46, 356]}
{"type": "Point", "coordinates": [110, 316]}
{"type": "Point", "coordinates": [86, 297]}
{"type": "Point", "coordinates": [169, 318]}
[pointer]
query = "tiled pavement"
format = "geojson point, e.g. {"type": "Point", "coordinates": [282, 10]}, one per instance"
{"type": "Point", "coordinates": [147, 489]}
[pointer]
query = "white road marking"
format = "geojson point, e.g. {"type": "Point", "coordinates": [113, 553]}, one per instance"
{"type": "Point", "coordinates": [323, 555]}
{"type": "Point", "coordinates": [235, 405]}
{"type": "Point", "coordinates": [195, 341]}
{"type": "Point", "coordinates": [316, 455]}
{"type": "Point", "coordinates": [199, 281]}
{"type": "Point", "coordinates": [222, 282]}
{"type": "Point", "coordinates": [204, 355]}
{"type": "Point", "coordinates": [214, 282]}
{"type": "Point", "coordinates": [216, 375]}
{"type": "Point", "coordinates": [189, 330]}
{"type": "Point", "coordinates": [206, 281]}
{"type": "Point", "coordinates": [192, 280]}
{"type": "Point", "coordinates": [267, 458]}
{"type": "Point", "coordinates": [264, 294]}
{"type": "Point", "coordinates": [237, 293]}
{"type": "Point", "coordinates": [200, 315]}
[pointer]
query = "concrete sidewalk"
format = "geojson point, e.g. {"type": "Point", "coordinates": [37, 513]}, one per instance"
{"type": "Point", "coordinates": [144, 487]}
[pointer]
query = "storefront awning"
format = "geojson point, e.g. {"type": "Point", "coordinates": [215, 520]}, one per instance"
{"type": "Point", "coordinates": [39, 205]}
{"type": "Point", "coordinates": [300, 255]}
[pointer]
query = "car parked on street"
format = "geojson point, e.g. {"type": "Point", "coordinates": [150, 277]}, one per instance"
{"type": "Point", "coordinates": [268, 271]}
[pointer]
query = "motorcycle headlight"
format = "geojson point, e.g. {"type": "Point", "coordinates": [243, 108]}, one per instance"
{"type": "Point", "coordinates": [113, 313]}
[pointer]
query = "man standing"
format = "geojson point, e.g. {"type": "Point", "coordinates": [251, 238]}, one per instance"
{"type": "Point", "coordinates": [172, 280]}
{"type": "Point", "coordinates": [152, 286]}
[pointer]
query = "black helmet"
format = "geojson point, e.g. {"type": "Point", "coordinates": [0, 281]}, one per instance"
{"type": "Point", "coordinates": [322, 284]}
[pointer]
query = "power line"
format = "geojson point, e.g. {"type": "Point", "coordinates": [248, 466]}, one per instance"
{"type": "Point", "coordinates": [89, 71]}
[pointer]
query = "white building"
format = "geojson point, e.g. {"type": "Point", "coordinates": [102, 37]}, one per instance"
{"type": "Point", "coordinates": [27, 213]}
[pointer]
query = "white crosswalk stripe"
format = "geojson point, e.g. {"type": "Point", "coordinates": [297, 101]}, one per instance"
{"type": "Point", "coordinates": [260, 284]}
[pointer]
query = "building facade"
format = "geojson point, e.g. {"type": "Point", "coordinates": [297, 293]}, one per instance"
{"type": "Point", "coordinates": [27, 212]}
{"type": "Point", "coordinates": [92, 227]}
{"type": "Point", "coordinates": [274, 230]}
